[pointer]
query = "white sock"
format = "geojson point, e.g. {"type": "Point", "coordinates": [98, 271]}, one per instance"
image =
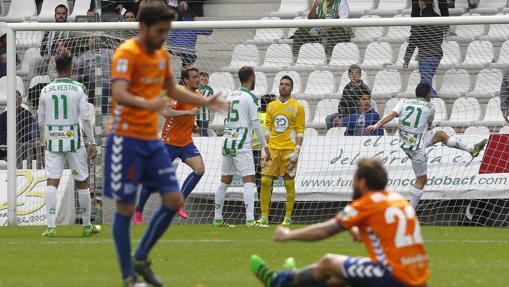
{"type": "Point", "coordinates": [85, 205]}
{"type": "Point", "coordinates": [219, 201]}
{"type": "Point", "coordinates": [456, 142]}
{"type": "Point", "coordinates": [249, 195]}
{"type": "Point", "coordinates": [51, 206]}
{"type": "Point", "coordinates": [416, 196]}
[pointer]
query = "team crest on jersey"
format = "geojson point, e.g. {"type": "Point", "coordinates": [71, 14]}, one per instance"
{"type": "Point", "coordinates": [348, 212]}
{"type": "Point", "coordinates": [69, 134]}
{"type": "Point", "coordinates": [288, 109]}
{"type": "Point", "coordinates": [162, 64]}
{"type": "Point", "coordinates": [122, 65]}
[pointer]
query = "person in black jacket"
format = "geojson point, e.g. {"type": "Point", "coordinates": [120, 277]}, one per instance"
{"type": "Point", "coordinates": [504, 96]}
{"type": "Point", "coordinates": [441, 7]}
{"type": "Point", "coordinates": [349, 103]}
{"type": "Point", "coordinates": [428, 39]}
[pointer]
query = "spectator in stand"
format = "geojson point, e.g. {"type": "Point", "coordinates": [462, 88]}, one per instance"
{"type": "Point", "coordinates": [329, 37]}
{"type": "Point", "coordinates": [3, 56]}
{"type": "Point", "coordinates": [428, 39]}
{"type": "Point", "coordinates": [27, 132]}
{"type": "Point", "coordinates": [504, 96]}
{"type": "Point", "coordinates": [196, 6]}
{"type": "Point", "coordinates": [182, 42]}
{"type": "Point", "coordinates": [472, 4]}
{"type": "Point", "coordinates": [116, 7]}
{"type": "Point", "coordinates": [129, 16]}
{"type": "Point", "coordinates": [349, 102]}
{"type": "Point", "coordinates": [365, 116]}
{"type": "Point", "coordinates": [91, 16]}
{"type": "Point", "coordinates": [441, 7]}
{"type": "Point", "coordinates": [203, 117]}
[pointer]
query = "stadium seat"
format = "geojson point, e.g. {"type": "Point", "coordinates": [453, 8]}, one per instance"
{"type": "Point", "coordinates": [320, 85]}
{"type": "Point", "coordinates": [30, 57]}
{"type": "Point", "coordinates": [3, 88]}
{"type": "Point", "coordinates": [387, 85]}
{"type": "Point", "coordinates": [497, 32]}
{"type": "Point", "coordinates": [267, 36]}
{"type": "Point", "coordinates": [452, 55]}
{"type": "Point", "coordinates": [310, 132]}
{"type": "Point", "coordinates": [28, 39]}
{"type": "Point", "coordinates": [397, 34]}
{"type": "Point", "coordinates": [291, 8]}
{"type": "Point", "coordinates": [311, 56]}
{"type": "Point", "coordinates": [487, 85]}
{"type": "Point", "coordinates": [448, 130]}
{"type": "Point", "coordinates": [323, 109]}
{"type": "Point", "coordinates": [345, 80]}
{"type": "Point", "coordinates": [401, 58]}
{"type": "Point", "coordinates": [455, 83]}
{"type": "Point", "coordinates": [479, 55]}
{"type": "Point", "coordinates": [493, 115]}
{"type": "Point", "coordinates": [222, 82]}
{"type": "Point", "coordinates": [503, 57]}
{"type": "Point", "coordinates": [389, 106]}
{"type": "Point", "coordinates": [296, 82]}
{"type": "Point", "coordinates": [368, 34]}
{"type": "Point", "coordinates": [378, 54]}
{"type": "Point", "coordinates": [80, 8]}
{"type": "Point", "coordinates": [42, 79]}
{"type": "Point", "coordinates": [440, 110]}
{"type": "Point", "coordinates": [504, 130]}
{"type": "Point", "coordinates": [413, 80]}
{"type": "Point", "coordinates": [389, 7]}
{"type": "Point", "coordinates": [460, 7]}
{"type": "Point", "coordinates": [20, 11]}
{"type": "Point", "coordinates": [277, 57]}
{"type": "Point", "coordinates": [465, 111]}
{"type": "Point", "coordinates": [467, 33]}
{"type": "Point", "coordinates": [336, 132]}
{"type": "Point", "coordinates": [261, 85]}
{"type": "Point", "coordinates": [292, 31]}
{"type": "Point", "coordinates": [47, 13]}
{"type": "Point", "coordinates": [489, 7]}
{"type": "Point", "coordinates": [344, 55]}
{"type": "Point", "coordinates": [477, 132]}
{"type": "Point", "coordinates": [307, 111]}
{"type": "Point", "coordinates": [359, 7]}
{"type": "Point", "coordinates": [243, 55]}
{"type": "Point", "coordinates": [217, 121]}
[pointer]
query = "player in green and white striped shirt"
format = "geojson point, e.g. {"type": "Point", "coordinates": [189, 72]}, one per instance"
{"type": "Point", "coordinates": [63, 113]}
{"type": "Point", "coordinates": [203, 117]}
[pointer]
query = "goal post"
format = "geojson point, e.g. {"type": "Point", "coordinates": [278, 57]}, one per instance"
{"type": "Point", "coordinates": [328, 158]}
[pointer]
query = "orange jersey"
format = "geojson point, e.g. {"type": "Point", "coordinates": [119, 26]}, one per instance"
{"type": "Point", "coordinates": [178, 131]}
{"type": "Point", "coordinates": [391, 232]}
{"type": "Point", "coordinates": [146, 74]}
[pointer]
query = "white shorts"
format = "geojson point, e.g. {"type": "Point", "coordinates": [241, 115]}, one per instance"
{"type": "Point", "coordinates": [241, 164]}
{"type": "Point", "coordinates": [419, 157]}
{"type": "Point", "coordinates": [77, 161]}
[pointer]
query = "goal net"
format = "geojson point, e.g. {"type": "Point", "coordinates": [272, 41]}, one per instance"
{"type": "Point", "coordinates": [464, 59]}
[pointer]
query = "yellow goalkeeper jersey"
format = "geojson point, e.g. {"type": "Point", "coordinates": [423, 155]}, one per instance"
{"type": "Point", "coordinates": [286, 122]}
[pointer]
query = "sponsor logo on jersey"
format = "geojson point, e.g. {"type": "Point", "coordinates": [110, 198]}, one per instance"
{"type": "Point", "coordinates": [348, 212]}
{"type": "Point", "coordinates": [69, 134]}
{"type": "Point", "coordinates": [281, 123]}
{"type": "Point", "coordinates": [122, 65]}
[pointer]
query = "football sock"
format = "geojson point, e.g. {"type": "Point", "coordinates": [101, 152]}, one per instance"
{"type": "Point", "coordinates": [219, 201]}
{"type": "Point", "coordinates": [249, 195]}
{"type": "Point", "coordinates": [51, 205]}
{"type": "Point", "coordinates": [416, 196]}
{"type": "Point", "coordinates": [142, 200]}
{"type": "Point", "coordinates": [456, 142]}
{"type": "Point", "coordinates": [122, 238]}
{"type": "Point", "coordinates": [156, 228]}
{"type": "Point", "coordinates": [290, 196]}
{"type": "Point", "coordinates": [190, 183]}
{"type": "Point", "coordinates": [85, 205]}
{"type": "Point", "coordinates": [266, 195]}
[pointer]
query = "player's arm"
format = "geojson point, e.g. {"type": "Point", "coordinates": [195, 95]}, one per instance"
{"type": "Point", "coordinates": [119, 90]}
{"type": "Point", "coordinates": [257, 127]}
{"type": "Point", "coordinates": [170, 112]}
{"type": "Point", "coordinates": [315, 232]}
{"type": "Point", "coordinates": [88, 129]}
{"type": "Point", "coordinates": [215, 103]}
{"type": "Point", "coordinates": [41, 119]}
{"type": "Point", "coordinates": [387, 118]}
{"type": "Point", "coordinates": [300, 123]}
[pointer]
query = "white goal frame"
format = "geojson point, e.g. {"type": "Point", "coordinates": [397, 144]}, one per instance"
{"type": "Point", "coordinates": [12, 28]}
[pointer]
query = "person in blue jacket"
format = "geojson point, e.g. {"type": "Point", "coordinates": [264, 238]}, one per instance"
{"type": "Point", "coordinates": [365, 116]}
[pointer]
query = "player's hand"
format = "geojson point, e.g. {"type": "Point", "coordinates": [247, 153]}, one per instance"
{"type": "Point", "coordinates": [193, 112]}
{"type": "Point", "coordinates": [46, 57]}
{"type": "Point", "coordinates": [354, 234]}
{"type": "Point", "coordinates": [267, 153]}
{"type": "Point", "coordinates": [92, 151]}
{"type": "Point", "coordinates": [196, 128]}
{"type": "Point", "coordinates": [218, 104]}
{"type": "Point", "coordinates": [372, 128]}
{"type": "Point", "coordinates": [156, 104]}
{"type": "Point", "coordinates": [282, 234]}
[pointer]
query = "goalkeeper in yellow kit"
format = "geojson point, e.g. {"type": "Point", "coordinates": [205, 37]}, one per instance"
{"type": "Point", "coordinates": [284, 133]}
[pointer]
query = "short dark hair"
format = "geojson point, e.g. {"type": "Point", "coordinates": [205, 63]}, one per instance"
{"type": "Point", "coordinates": [204, 74]}
{"type": "Point", "coordinates": [90, 10]}
{"type": "Point", "coordinates": [63, 62]}
{"type": "Point", "coordinates": [422, 90]}
{"type": "Point", "coordinates": [365, 91]}
{"type": "Point", "coordinates": [286, 77]}
{"type": "Point", "coordinates": [62, 6]}
{"type": "Point", "coordinates": [354, 68]}
{"type": "Point", "coordinates": [154, 11]}
{"type": "Point", "coordinates": [265, 101]}
{"type": "Point", "coordinates": [373, 171]}
{"type": "Point", "coordinates": [245, 73]}
{"type": "Point", "coordinates": [184, 73]}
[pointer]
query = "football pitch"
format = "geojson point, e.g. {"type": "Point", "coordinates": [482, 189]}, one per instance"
{"type": "Point", "coordinates": [199, 255]}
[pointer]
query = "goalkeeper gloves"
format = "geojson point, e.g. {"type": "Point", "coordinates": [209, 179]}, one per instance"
{"type": "Point", "coordinates": [292, 161]}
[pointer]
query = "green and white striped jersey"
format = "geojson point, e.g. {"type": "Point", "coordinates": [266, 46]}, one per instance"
{"type": "Point", "coordinates": [204, 115]}
{"type": "Point", "coordinates": [62, 104]}
{"type": "Point", "coordinates": [415, 116]}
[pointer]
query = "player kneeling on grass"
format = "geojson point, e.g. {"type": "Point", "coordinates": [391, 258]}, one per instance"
{"type": "Point", "coordinates": [62, 104]}
{"type": "Point", "coordinates": [415, 122]}
{"type": "Point", "coordinates": [241, 120]}
{"type": "Point", "coordinates": [383, 220]}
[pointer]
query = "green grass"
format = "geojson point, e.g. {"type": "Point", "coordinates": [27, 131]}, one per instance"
{"type": "Point", "coordinates": [196, 255]}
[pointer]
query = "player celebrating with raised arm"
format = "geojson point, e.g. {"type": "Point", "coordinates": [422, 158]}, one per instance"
{"type": "Point", "coordinates": [415, 123]}
{"type": "Point", "coordinates": [386, 224]}
{"type": "Point", "coordinates": [285, 132]}
{"type": "Point", "coordinates": [62, 104]}
{"type": "Point", "coordinates": [177, 136]}
{"type": "Point", "coordinates": [242, 119]}
{"type": "Point", "coordinates": [141, 74]}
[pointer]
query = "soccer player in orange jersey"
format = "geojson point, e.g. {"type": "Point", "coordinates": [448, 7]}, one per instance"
{"type": "Point", "coordinates": [141, 76]}
{"type": "Point", "coordinates": [384, 221]}
{"type": "Point", "coordinates": [177, 136]}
